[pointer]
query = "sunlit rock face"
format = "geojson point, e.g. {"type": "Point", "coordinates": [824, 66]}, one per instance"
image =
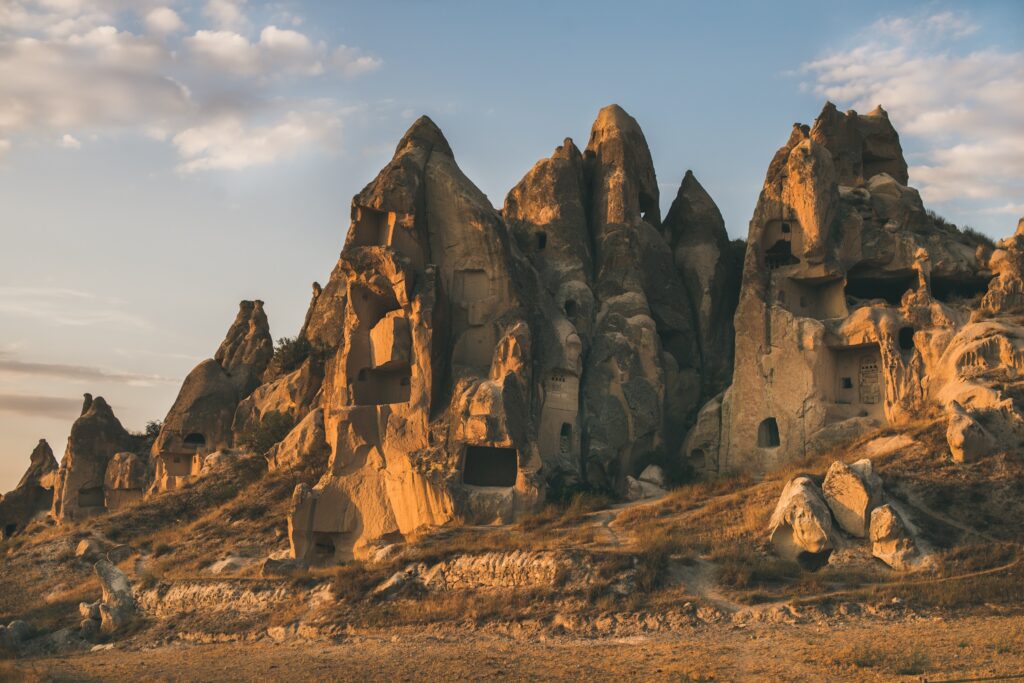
{"type": "Point", "coordinates": [855, 304]}
{"type": "Point", "coordinates": [200, 421]}
{"type": "Point", "coordinates": [33, 496]}
{"type": "Point", "coordinates": [477, 361]}
{"type": "Point", "coordinates": [95, 437]}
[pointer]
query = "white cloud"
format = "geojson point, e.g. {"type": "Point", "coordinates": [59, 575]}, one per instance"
{"type": "Point", "coordinates": [66, 307]}
{"type": "Point", "coordinates": [225, 50]}
{"type": "Point", "coordinates": [351, 62]}
{"type": "Point", "coordinates": [226, 14]}
{"type": "Point", "coordinates": [164, 21]}
{"type": "Point", "coordinates": [228, 143]}
{"type": "Point", "coordinates": [957, 109]}
{"type": "Point", "coordinates": [221, 99]}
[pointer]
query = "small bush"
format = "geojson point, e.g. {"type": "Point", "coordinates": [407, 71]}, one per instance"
{"type": "Point", "coordinates": [977, 236]}
{"type": "Point", "coordinates": [289, 354]}
{"type": "Point", "coordinates": [270, 430]}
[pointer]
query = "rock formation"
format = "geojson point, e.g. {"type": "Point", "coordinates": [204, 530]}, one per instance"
{"type": "Point", "coordinates": [801, 525]}
{"type": "Point", "coordinates": [474, 360]}
{"type": "Point", "coordinates": [855, 305]}
{"type": "Point", "coordinates": [201, 419]}
{"type": "Point", "coordinates": [33, 496]}
{"type": "Point", "coordinates": [852, 492]}
{"type": "Point", "coordinates": [891, 542]}
{"type": "Point", "coordinates": [126, 480]}
{"type": "Point", "coordinates": [95, 437]}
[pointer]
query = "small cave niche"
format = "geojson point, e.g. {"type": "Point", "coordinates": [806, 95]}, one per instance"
{"type": "Point", "coordinates": [890, 287]}
{"type": "Point", "coordinates": [323, 545]}
{"type": "Point", "coordinates": [542, 240]}
{"type": "Point", "coordinates": [372, 227]}
{"type": "Point", "coordinates": [950, 290]}
{"type": "Point", "coordinates": [490, 466]}
{"type": "Point", "coordinates": [10, 530]}
{"type": "Point", "coordinates": [648, 206]}
{"type": "Point", "coordinates": [768, 433]}
{"type": "Point", "coordinates": [565, 438]}
{"type": "Point", "coordinates": [194, 440]}
{"type": "Point", "coordinates": [906, 338]}
{"type": "Point", "coordinates": [698, 459]}
{"type": "Point", "coordinates": [90, 497]}
{"type": "Point", "coordinates": [375, 387]}
{"type": "Point", "coordinates": [571, 309]}
{"type": "Point", "coordinates": [785, 228]}
{"type": "Point", "coordinates": [780, 254]}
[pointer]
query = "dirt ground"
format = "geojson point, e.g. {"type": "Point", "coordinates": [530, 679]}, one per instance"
{"type": "Point", "coordinates": [971, 648]}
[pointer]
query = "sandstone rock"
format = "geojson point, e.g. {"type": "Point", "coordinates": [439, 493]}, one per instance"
{"type": "Point", "coordinates": [33, 497]}
{"type": "Point", "coordinates": [852, 492]}
{"type": "Point", "coordinates": [891, 542]}
{"type": "Point", "coordinates": [968, 439]}
{"type": "Point", "coordinates": [89, 610]}
{"type": "Point", "coordinates": [711, 274]}
{"type": "Point", "coordinates": [88, 548]}
{"type": "Point", "coordinates": [283, 568]}
{"type": "Point", "coordinates": [200, 421]}
{"type": "Point", "coordinates": [95, 437]}
{"type": "Point", "coordinates": [653, 474]}
{"type": "Point", "coordinates": [126, 480]}
{"type": "Point", "coordinates": [306, 443]}
{"type": "Point", "coordinates": [292, 394]}
{"type": "Point", "coordinates": [851, 296]}
{"type": "Point", "coordinates": [801, 525]}
{"type": "Point", "coordinates": [637, 489]}
{"type": "Point", "coordinates": [117, 606]}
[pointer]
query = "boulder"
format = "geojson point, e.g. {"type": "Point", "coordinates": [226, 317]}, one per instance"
{"type": "Point", "coordinates": [282, 568]}
{"type": "Point", "coordinates": [117, 607]}
{"type": "Point", "coordinates": [305, 443]}
{"type": "Point", "coordinates": [801, 525]}
{"type": "Point", "coordinates": [637, 489]}
{"type": "Point", "coordinates": [88, 549]}
{"type": "Point", "coordinates": [852, 492]}
{"type": "Point", "coordinates": [968, 440]}
{"type": "Point", "coordinates": [653, 474]}
{"type": "Point", "coordinates": [891, 542]}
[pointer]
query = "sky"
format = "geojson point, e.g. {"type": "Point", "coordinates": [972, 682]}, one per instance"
{"type": "Point", "coordinates": [161, 161]}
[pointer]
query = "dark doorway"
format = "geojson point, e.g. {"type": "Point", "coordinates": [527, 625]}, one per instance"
{"type": "Point", "coordinates": [949, 289]}
{"type": "Point", "coordinates": [768, 433]}
{"type": "Point", "coordinates": [9, 530]}
{"type": "Point", "coordinates": [780, 254]}
{"type": "Point", "coordinates": [874, 285]}
{"type": "Point", "coordinates": [542, 240]}
{"type": "Point", "coordinates": [490, 466]}
{"type": "Point", "coordinates": [195, 440]}
{"type": "Point", "coordinates": [906, 338]}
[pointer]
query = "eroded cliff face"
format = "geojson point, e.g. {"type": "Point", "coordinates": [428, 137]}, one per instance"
{"type": "Point", "coordinates": [855, 304]}
{"type": "Point", "coordinates": [476, 361]}
{"type": "Point", "coordinates": [33, 496]}
{"type": "Point", "coordinates": [201, 418]}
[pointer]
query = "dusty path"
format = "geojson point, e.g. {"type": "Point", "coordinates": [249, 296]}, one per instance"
{"type": "Point", "coordinates": [862, 650]}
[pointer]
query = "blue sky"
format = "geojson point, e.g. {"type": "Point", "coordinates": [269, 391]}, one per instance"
{"type": "Point", "coordinates": [160, 161]}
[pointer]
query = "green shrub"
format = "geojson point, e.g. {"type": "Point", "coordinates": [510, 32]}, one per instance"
{"type": "Point", "coordinates": [273, 427]}
{"type": "Point", "coordinates": [289, 354]}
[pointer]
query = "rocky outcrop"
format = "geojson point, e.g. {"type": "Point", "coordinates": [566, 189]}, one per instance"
{"type": "Point", "coordinates": [305, 443]}
{"type": "Point", "coordinates": [851, 296]}
{"type": "Point", "coordinates": [852, 492]}
{"type": "Point", "coordinates": [201, 419]}
{"type": "Point", "coordinates": [116, 609]}
{"type": "Point", "coordinates": [711, 274]}
{"type": "Point", "coordinates": [127, 477]}
{"type": "Point", "coordinates": [95, 437]}
{"type": "Point", "coordinates": [33, 497]}
{"type": "Point", "coordinates": [968, 439]}
{"type": "Point", "coordinates": [801, 525]}
{"type": "Point", "coordinates": [891, 542]}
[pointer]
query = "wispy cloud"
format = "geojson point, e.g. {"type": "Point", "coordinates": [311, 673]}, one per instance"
{"type": "Point", "coordinates": [56, 407]}
{"type": "Point", "coordinates": [959, 108]}
{"type": "Point", "coordinates": [76, 68]}
{"type": "Point", "coordinates": [67, 307]}
{"type": "Point", "coordinates": [9, 364]}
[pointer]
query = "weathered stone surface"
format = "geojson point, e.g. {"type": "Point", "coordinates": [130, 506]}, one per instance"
{"type": "Point", "coordinates": [126, 480]}
{"type": "Point", "coordinates": [852, 492]}
{"type": "Point", "coordinates": [33, 497]}
{"type": "Point", "coordinates": [306, 442]}
{"type": "Point", "coordinates": [95, 437]}
{"type": "Point", "coordinates": [117, 606]}
{"type": "Point", "coordinates": [638, 489]}
{"type": "Point", "coordinates": [891, 542]}
{"type": "Point", "coordinates": [200, 421]}
{"type": "Point", "coordinates": [968, 439]}
{"type": "Point", "coordinates": [853, 299]}
{"type": "Point", "coordinates": [801, 525]}
{"type": "Point", "coordinates": [293, 394]}
{"type": "Point", "coordinates": [711, 274]}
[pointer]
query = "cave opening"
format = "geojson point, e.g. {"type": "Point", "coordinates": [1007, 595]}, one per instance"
{"type": "Point", "coordinates": [195, 440]}
{"type": "Point", "coordinates": [906, 338]}
{"type": "Point", "coordinates": [542, 240]}
{"type": "Point", "coordinates": [780, 254]}
{"type": "Point", "coordinates": [948, 290]}
{"type": "Point", "coordinates": [323, 545]}
{"type": "Point", "coordinates": [768, 433]}
{"type": "Point", "coordinates": [9, 530]}
{"type": "Point", "coordinates": [888, 286]}
{"type": "Point", "coordinates": [490, 466]}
